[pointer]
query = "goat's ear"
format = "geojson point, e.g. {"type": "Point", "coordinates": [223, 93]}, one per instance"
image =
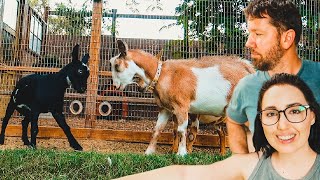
{"type": "Point", "coordinates": [123, 48]}
{"type": "Point", "coordinates": [85, 58]}
{"type": "Point", "coordinates": [159, 55]}
{"type": "Point", "coordinates": [75, 53]}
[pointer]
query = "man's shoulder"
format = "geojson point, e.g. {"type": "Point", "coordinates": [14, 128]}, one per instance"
{"type": "Point", "coordinates": [310, 70]}
{"type": "Point", "coordinates": [249, 86]}
{"type": "Point", "coordinates": [311, 64]}
{"type": "Point", "coordinates": [252, 80]}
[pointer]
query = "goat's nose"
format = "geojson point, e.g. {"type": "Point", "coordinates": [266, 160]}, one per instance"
{"type": "Point", "coordinates": [116, 85]}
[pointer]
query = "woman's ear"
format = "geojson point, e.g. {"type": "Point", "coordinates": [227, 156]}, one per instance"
{"type": "Point", "coordinates": [287, 38]}
{"type": "Point", "coordinates": [313, 118]}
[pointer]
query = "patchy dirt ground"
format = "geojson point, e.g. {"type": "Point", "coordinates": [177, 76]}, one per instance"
{"type": "Point", "coordinates": [102, 145]}
{"type": "Point", "coordinates": [133, 125]}
{"type": "Point", "coordinates": [96, 145]}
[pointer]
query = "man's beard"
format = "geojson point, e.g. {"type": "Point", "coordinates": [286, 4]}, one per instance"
{"type": "Point", "coordinates": [271, 60]}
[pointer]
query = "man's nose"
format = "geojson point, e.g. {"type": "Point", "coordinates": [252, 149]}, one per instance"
{"type": "Point", "coordinates": [250, 42]}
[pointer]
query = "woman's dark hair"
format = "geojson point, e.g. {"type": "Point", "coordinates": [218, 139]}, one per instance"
{"type": "Point", "coordinates": [283, 13]}
{"type": "Point", "coordinates": [259, 139]}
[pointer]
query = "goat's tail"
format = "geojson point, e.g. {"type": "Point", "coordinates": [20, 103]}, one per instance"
{"type": "Point", "coordinates": [248, 66]}
{"type": "Point", "coordinates": [250, 69]}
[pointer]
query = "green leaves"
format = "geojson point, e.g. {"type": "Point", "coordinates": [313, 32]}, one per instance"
{"type": "Point", "coordinates": [70, 21]}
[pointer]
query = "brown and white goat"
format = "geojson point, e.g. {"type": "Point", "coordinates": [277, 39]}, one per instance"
{"type": "Point", "coordinates": [180, 87]}
{"type": "Point", "coordinates": [217, 122]}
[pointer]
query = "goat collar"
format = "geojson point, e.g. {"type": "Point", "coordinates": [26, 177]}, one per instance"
{"type": "Point", "coordinates": [68, 81]}
{"type": "Point", "coordinates": [156, 77]}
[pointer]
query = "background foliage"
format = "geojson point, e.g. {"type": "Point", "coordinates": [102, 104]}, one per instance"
{"type": "Point", "coordinates": [221, 25]}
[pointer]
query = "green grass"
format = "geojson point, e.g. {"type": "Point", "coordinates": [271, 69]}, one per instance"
{"type": "Point", "coordinates": [53, 164]}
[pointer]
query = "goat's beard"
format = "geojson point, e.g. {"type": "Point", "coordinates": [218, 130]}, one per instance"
{"type": "Point", "coordinates": [271, 60]}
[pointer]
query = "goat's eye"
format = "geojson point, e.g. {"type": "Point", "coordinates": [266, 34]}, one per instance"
{"type": "Point", "coordinates": [80, 71]}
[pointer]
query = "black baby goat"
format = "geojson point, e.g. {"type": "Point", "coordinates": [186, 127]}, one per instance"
{"type": "Point", "coordinates": [35, 94]}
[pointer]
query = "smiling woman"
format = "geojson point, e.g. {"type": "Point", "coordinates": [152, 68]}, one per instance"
{"type": "Point", "coordinates": [296, 126]}
{"type": "Point", "coordinates": [286, 139]}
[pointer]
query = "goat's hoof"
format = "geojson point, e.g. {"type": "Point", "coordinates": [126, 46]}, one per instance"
{"type": "Point", "coordinates": [189, 150]}
{"type": "Point", "coordinates": [77, 148]}
{"type": "Point", "coordinates": [1, 139]}
{"type": "Point", "coordinates": [32, 146]}
{"type": "Point", "coordinates": [26, 142]}
{"type": "Point", "coordinates": [173, 151]}
{"type": "Point", "coordinates": [182, 152]}
{"type": "Point", "coordinates": [150, 151]}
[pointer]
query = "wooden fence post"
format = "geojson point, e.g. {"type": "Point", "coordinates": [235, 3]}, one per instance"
{"type": "Point", "coordinates": [95, 44]}
{"type": "Point", "coordinates": [1, 25]}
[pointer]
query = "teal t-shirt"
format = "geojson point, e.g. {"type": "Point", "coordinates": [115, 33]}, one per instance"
{"type": "Point", "coordinates": [244, 101]}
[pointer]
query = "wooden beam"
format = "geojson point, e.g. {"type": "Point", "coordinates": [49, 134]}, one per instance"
{"type": "Point", "coordinates": [113, 135]}
{"type": "Point", "coordinates": [126, 99]}
{"type": "Point", "coordinates": [139, 16]}
{"type": "Point", "coordinates": [105, 98]}
{"type": "Point", "coordinates": [41, 69]}
{"type": "Point", "coordinates": [95, 45]}
{"type": "Point", "coordinates": [28, 69]}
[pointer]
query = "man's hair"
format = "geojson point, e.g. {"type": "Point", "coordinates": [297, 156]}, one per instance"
{"type": "Point", "coordinates": [259, 139]}
{"type": "Point", "coordinates": [284, 14]}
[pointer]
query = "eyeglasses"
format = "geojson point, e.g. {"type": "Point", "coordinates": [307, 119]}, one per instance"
{"type": "Point", "coordinates": [294, 114]}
